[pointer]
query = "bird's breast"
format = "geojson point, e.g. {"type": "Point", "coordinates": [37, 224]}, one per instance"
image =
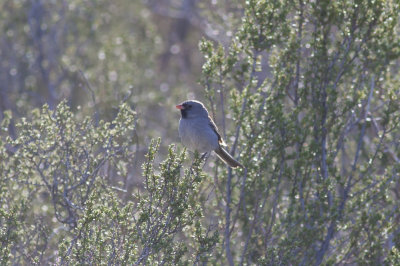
{"type": "Point", "coordinates": [197, 135]}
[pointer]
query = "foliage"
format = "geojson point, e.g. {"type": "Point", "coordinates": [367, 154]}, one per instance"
{"type": "Point", "coordinates": [317, 135]}
{"type": "Point", "coordinates": [62, 166]}
{"type": "Point", "coordinates": [305, 93]}
{"type": "Point", "coordinates": [144, 231]}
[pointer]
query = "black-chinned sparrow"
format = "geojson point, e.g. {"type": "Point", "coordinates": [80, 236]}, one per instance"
{"type": "Point", "coordinates": [198, 132]}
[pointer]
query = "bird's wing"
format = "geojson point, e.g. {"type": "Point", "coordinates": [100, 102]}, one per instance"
{"type": "Point", "coordinates": [214, 127]}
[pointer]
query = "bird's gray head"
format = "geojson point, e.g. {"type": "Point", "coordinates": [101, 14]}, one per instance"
{"type": "Point", "coordinates": [192, 109]}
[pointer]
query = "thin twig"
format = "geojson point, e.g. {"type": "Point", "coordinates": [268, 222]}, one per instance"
{"type": "Point", "coordinates": [228, 218]}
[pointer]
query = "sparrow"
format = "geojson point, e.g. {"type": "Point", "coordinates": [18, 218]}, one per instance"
{"type": "Point", "coordinates": [198, 132]}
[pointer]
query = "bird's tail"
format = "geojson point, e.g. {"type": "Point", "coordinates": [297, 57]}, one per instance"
{"type": "Point", "coordinates": [227, 158]}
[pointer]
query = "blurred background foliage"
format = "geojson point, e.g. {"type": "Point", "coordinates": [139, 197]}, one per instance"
{"type": "Point", "coordinates": [305, 93]}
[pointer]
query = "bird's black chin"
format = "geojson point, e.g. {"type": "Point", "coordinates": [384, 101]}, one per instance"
{"type": "Point", "coordinates": [184, 113]}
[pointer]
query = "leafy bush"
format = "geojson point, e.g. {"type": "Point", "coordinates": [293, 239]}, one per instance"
{"type": "Point", "coordinates": [312, 90]}
{"type": "Point", "coordinates": [305, 93]}
{"type": "Point", "coordinates": [62, 165]}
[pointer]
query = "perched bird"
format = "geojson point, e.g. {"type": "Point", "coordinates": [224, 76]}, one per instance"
{"type": "Point", "coordinates": [198, 132]}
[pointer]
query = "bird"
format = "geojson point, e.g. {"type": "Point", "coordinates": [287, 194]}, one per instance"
{"type": "Point", "coordinates": [198, 132]}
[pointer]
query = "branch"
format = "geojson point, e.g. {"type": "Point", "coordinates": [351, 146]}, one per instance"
{"type": "Point", "coordinates": [228, 217]}
{"type": "Point", "coordinates": [332, 225]}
